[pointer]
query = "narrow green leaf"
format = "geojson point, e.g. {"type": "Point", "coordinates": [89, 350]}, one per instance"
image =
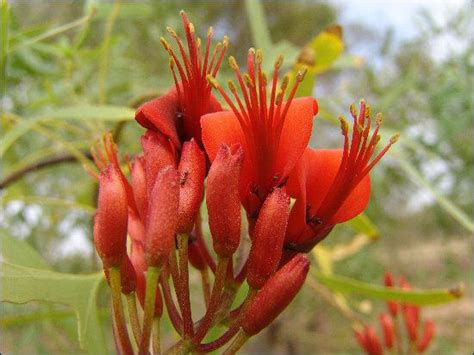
{"type": "Point", "coordinates": [258, 25]}
{"type": "Point", "coordinates": [23, 284]}
{"type": "Point", "coordinates": [80, 112]}
{"type": "Point", "coordinates": [416, 297]}
{"type": "Point", "coordinates": [53, 202]}
{"type": "Point", "coordinates": [363, 224]}
{"type": "Point", "coordinates": [445, 203]}
{"type": "Point", "coordinates": [4, 15]}
{"type": "Point", "coordinates": [20, 253]}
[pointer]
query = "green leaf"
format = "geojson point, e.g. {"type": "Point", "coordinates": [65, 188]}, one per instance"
{"type": "Point", "coordinates": [80, 112]}
{"type": "Point", "coordinates": [415, 297]}
{"type": "Point", "coordinates": [258, 25]}
{"type": "Point", "coordinates": [23, 284]}
{"type": "Point", "coordinates": [21, 253]}
{"type": "Point", "coordinates": [363, 224]}
{"type": "Point", "coordinates": [445, 203]}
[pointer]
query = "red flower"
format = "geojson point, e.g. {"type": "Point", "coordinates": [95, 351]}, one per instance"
{"type": "Point", "coordinates": [333, 186]}
{"type": "Point", "coordinates": [273, 134]}
{"type": "Point", "coordinates": [176, 114]}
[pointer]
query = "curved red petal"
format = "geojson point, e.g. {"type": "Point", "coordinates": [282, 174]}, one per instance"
{"type": "Point", "coordinates": [224, 128]}
{"type": "Point", "coordinates": [320, 167]}
{"type": "Point", "coordinates": [295, 134]}
{"type": "Point", "coordinates": [160, 115]}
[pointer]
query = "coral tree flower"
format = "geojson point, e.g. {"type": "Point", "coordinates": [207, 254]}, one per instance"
{"type": "Point", "coordinates": [273, 133]}
{"type": "Point", "coordinates": [176, 114]}
{"type": "Point", "coordinates": [332, 186]}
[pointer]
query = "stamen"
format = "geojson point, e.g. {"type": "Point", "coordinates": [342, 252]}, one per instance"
{"type": "Point", "coordinates": [225, 44]}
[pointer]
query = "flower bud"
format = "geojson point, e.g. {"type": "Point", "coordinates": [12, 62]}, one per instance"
{"type": "Point", "coordinates": [195, 255]}
{"type": "Point", "coordinates": [139, 186]}
{"type": "Point", "coordinates": [411, 313]}
{"type": "Point", "coordinates": [223, 201]}
{"type": "Point", "coordinates": [375, 348]}
{"type": "Point", "coordinates": [269, 235]}
{"type": "Point", "coordinates": [388, 331]}
{"type": "Point", "coordinates": [275, 295]}
{"type": "Point", "coordinates": [160, 227]}
{"type": "Point", "coordinates": [110, 225]}
{"type": "Point", "coordinates": [192, 170]}
{"type": "Point", "coordinates": [391, 305]}
{"type": "Point", "coordinates": [128, 277]}
{"type": "Point", "coordinates": [158, 153]}
{"type": "Point", "coordinates": [428, 333]}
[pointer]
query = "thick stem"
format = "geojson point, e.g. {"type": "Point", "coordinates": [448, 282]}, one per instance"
{"type": "Point", "coordinates": [238, 342]}
{"type": "Point", "coordinates": [173, 313]}
{"type": "Point", "coordinates": [156, 336]}
{"type": "Point", "coordinates": [119, 319]}
{"type": "Point", "coordinates": [219, 342]}
{"type": "Point", "coordinates": [152, 275]}
{"type": "Point", "coordinates": [214, 303]}
{"type": "Point", "coordinates": [206, 289]}
{"type": "Point", "coordinates": [183, 286]}
{"type": "Point", "coordinates": [133, 315]}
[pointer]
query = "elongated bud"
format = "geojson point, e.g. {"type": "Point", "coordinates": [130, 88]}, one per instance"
{"type": "Point", "coordinates": [386, 323]}
{"type": "Point", "coordinates": [158, 153]}
{"type": "Point", "coordinates": [160, 227]}
{"type": "Point", "coordinates": [428, 334]}
{"type": "Point", "coordinates": [275, 295]}
{"type": "Point", "coordinates": [411, 313]}
{"type": "Point", "coordinates": [139, 186]}
{"type": "Point", "coordinates": [128, 276]}
{"type": "Point", "coordinates": [375, 348]}
{"type": "Point", "coordinates": [391, 305]}
{"type": "Point", "coordinates": [362, 340]}
{"type": "Point", "coordinates": [192, 170]}
{"type": "Point", "coordinates": [269, 235]}
{"type": "Point", "coordinates": [195, 255]}
{"type": "Point", "coordinates": [223, 201]}
{"type": "Point", "coordinates": [110, 225]}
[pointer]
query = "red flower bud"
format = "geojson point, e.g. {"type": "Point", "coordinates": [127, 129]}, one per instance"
{"type": "Point", "coordinates": [192, 170]}
{"type": "Point", "coordinates": [275, 295]}
{"type": "Point", "coordinates": [391, 305]}
{"type": "Point", "coordinates": [195, 255]}
{"type": "Point", "coordinates": [427, 336]}
{"type": "Point", "coordinates": [160, 227]}
{"type": "Point", "coordinates": [158, 153]}
{"type": "Point", "coordinates": [223, 201]}
{"type": "Point", "coordinates": [110, 226]}
{"type": "Point", "coordinates": [411, 323]}
{"type": "Point", "coordinates": [388, 331]}
{"type": "Point", "coordinates": [139, 186]}
{"type": "Point", "coordinates": [362, 340]}
{"type": "Point", "coordinates": [375, 348]}
{"type": "Point", "coordinates": [128, 276]}
{"type": "Point", "coordinates": [269, 235]}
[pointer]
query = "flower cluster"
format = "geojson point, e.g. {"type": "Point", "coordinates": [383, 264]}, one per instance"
{"type": "Point", "coordinates": [253, 155]}
{"type": "Point", "coordinates": [417, 339]}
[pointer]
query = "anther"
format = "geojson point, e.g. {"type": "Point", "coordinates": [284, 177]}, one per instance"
{"type": "Point", "coordinates": [209, 32]}
{"type": "Point", "coordinates": [344, 125]}
{"type": "Point", "coordinates": [231, 85]}
{"type": "Point", "coordinates": [248, 80]}
{"type": "Point", "coordinates": [394, 138]}
{"type": "Point", "coordinates": [172, 63]}
{"type": "Point", "coordinates": [284, 83]}
{"type": "Point", "coordinates": [225, 41]}
{"type": "Point", "coordinates": [264, 79]}
{"type": "Point", "coordinates": [279, 97]}
{"type": "Point", "coordinates": [211, 80]}
{"type": "Point", "coordinates": [353, 110]}
{"type": "Point", "coordinates": [165, 43]}
{"type": "Point", "coordinates": [279, 62]}
{"type": "Point", "coordinates": [379, 118]}
{"type": "Point", "coordinates": [301, 74]}
{"type": "Point", "coordinates": [191, 27]}
{"type": "Point", "coordinates": [171, 31]}
{"type": "Point", "coordinates": [377, 139]}
{"type": "Point", "coordinates": [259, 56]}
{"type": "Point", "coordinates": [233, 63]}
{"type": "Point", "coordinates": [360, 128]}
{"type": "Point", "coordinates": [368, 111]}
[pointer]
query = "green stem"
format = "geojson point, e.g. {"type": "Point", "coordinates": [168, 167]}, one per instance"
{"type": "Point", "coordinates": [214, 303]}
{"type": "Point", "coordinates": [156, 336]}
{"type": "Point", "coordinates": [121, 328]}
{"type": "Point", "coordinates": [238, 342]}
{"type": "Point", "coordinates": [152, 275]}
{"type": "Point", "coordinates": [133, 315]}
{"type": "Point", "coordinates": [184, 299]}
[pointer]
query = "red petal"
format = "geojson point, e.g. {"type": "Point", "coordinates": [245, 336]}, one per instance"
{"type": "Point", "coordinates": [160, 115]}
{"type": "Point", "coordinates": [295, 133]}
{"type": "Point", "coordinates": [320, 167]}
{"type": "Point", "coordinates": [224, 128]}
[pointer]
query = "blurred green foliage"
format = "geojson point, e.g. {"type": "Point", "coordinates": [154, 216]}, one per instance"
{"type": "Point", "coordinates": [101, 59]}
